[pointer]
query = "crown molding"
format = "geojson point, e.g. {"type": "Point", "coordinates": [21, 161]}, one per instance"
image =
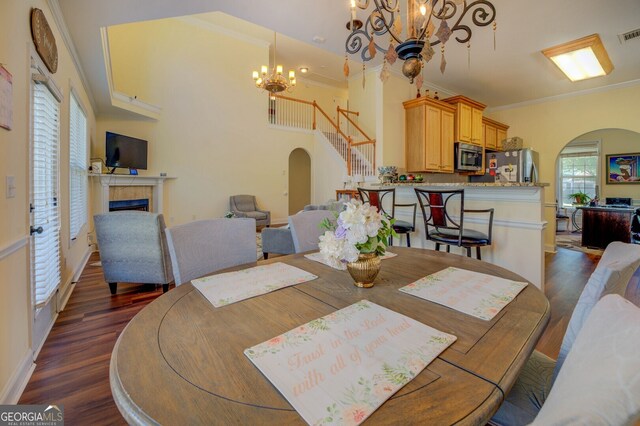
{"type": "Point", "coordinates": [594, 90]}
{"type": "Point", "coordinates": [54, 7]}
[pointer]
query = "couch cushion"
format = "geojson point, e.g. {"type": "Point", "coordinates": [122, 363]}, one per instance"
{"type": "Point", "coordinates": [599, 382]}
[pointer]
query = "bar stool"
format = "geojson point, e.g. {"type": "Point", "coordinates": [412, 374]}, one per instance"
{"type": "Point", "coordinates": [385, 201]}
{"type": "Point", "coordinates": [440, 227]}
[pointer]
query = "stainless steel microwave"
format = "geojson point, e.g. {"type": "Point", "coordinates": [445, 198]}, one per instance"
{"type": "Point", "coordinates": [468, 157]}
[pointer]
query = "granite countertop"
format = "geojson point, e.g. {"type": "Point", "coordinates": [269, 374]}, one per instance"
{"type": "Point", "coordinates": [463, 184]}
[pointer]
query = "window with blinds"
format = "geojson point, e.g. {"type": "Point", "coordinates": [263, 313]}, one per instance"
{"type": "Point", "coordinates": [77, 167]}
{"type": "Point", "coordinates": [578, 171]}
{"type": "Point", "coordinates": [45, 245]}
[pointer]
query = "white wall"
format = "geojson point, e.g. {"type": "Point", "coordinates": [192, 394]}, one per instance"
{"type": "Point", "coordinates": [16, 314]}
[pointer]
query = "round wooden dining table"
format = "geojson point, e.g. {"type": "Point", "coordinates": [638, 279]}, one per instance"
{"type": "Point", "coordinates": [180, 360]}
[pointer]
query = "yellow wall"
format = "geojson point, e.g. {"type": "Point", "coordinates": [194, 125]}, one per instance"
{"type": "Point", "coordinates": [16, 314]}
{"type": "Point", "coordinates": [547, 127]}
{"type": "Point", "coordinates": [213, 133]}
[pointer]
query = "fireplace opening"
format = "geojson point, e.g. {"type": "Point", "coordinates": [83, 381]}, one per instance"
{"type": "Point", "coordinates": [140, 204]}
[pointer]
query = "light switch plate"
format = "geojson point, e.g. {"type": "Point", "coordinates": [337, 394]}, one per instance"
{"type": "Point", "coordinates": [11, 186]}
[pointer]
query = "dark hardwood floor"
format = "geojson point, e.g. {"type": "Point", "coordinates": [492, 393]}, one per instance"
{"type": "Point", "coordinates": [73, 366]}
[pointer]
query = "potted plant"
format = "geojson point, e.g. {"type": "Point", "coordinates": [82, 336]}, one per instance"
{"type": "Point", "coordinates": [580, 198]}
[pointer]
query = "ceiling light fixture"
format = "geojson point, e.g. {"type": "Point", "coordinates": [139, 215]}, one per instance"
{"type": "Point", "coordinates": [275, 82]}
{"type": "Point", "coordinates": [427, 26]}
{"type": "Point", "coordinates": [581, 59]}
{"type": "Point", "coordinates": [304, 70]}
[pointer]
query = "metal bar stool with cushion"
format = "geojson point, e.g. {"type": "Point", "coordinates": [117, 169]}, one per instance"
{"type": "Point", "coordinates": [443, 228]}
{"type": "Point", "coordinates": [385, 201]}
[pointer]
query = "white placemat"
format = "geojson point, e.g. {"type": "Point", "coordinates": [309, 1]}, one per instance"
{"type": "Point", "coordinates": [231, 287]}
{"type": "Point", "coordinates": [318, 257]}
{"type": "Point", "coordinates": [473, 293]}
{"type": "Point", "coordinates": [340, 368]}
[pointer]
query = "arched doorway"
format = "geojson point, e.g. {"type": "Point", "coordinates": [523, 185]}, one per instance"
{"type": "Point", "coordinates": [299, 180]}
{"type": "Point", "coordinates": [587, 164]}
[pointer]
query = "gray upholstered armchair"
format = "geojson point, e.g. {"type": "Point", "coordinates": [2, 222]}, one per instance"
{"type": "Point", "coordinates": [133, 248]}
{"type": "Point", "coordinates": [245, 206]}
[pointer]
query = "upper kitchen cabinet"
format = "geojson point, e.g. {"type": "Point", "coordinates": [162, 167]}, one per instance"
{"type": "Point", "coordinates": [494, 133]}
{"type": "Point", "coordinates": [468, 123]}
{"type": "Point", "coordinates": [429, 135]}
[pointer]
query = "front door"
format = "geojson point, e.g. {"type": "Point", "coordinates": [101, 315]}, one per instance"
{"type": "Point", "coordinates": [45, 213]}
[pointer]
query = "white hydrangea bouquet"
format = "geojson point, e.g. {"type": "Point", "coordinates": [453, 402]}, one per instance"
{"type": "Point", "coordinates": [360, 228]}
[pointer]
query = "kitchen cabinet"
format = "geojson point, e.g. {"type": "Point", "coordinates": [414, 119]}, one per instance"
{"type": "Point", "coordinates": [494, 133]}
{"type": "Point", "coordinates": [429, 135]}
{"type": "Point", "coordinates": [468, 122]}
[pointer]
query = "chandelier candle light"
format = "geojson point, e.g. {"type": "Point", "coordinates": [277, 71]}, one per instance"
{"type": "Point", "coordinates": [427, 26]}
{"type": "Point", "coordinates": [276, 82]}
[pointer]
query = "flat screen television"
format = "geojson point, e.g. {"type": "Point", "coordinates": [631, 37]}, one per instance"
{"type": "Point", "coordinates": [126, 152]}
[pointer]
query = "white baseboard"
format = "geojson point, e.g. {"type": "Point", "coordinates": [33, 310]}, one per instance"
{"type": "Point", "coordinates": [16, 384]}
{"type": "Point", "coordinates": [70, 285]}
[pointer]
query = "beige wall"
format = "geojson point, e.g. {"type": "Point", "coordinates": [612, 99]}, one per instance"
{"type": "Point", "coordinates": [614, 141]}
{"type": "Point", "coordinates": [16, 314]}
{"type": "Point", "coordinates": [213, 133]}
{"type": "Point", "coordinates": [547, 127]}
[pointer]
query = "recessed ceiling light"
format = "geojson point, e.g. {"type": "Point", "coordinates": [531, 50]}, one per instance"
{"type": "Point", "coordinates": [304, 70]}
{"type": "Point", "coordinates": [318, 39]}
{"type": "Point", "coordinates": [581, 59]}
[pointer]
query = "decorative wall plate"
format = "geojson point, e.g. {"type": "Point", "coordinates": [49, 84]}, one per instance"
{"type": "Point", "coordinates": [43, 40]}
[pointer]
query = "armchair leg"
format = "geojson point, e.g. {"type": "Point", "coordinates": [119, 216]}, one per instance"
{"type": "Point", "coordinates": [113, 287]}
{"type": "Point", "coordinates": [266, 255]}
{"type": "Point", "coordinates": [165, 288]}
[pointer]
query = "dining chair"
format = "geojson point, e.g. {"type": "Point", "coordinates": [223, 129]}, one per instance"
{"type": "Point", "coordinates": [306, 230]}
{"type": "Point", "coordinates": [385, 201]}
{"type": "Point", "coordinates": [600, 381]}
{"type": "Point", "coordinates": [443, 212]}
{"type": "Point", "coordinates": [618, 264]}
{"type": "Point", "coordinates": [561, 216]}
{"type": "Point", "coordinates": [206, 246]}
{"type": "Point", "coordinates": [133, 248]}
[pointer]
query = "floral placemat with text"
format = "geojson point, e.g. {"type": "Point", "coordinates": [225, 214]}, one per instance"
{"type": "Point", "coordinates": [231, 287]}
{"type": "Point", "coordinates": [338, 369]}
{"type": "Point", "coordinates": [480, 295]}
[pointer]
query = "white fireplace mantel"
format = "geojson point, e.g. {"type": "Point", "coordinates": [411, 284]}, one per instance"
{"type": "Point", "coordinates": [109, 180]}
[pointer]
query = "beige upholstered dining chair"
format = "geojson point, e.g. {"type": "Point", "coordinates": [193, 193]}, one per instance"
{"type": "Point", "coordinates": [305, 228]}
{"type": "Point", "coordinates": [205, 246]}
{"type": "Point", "coordinates": [616, 267]}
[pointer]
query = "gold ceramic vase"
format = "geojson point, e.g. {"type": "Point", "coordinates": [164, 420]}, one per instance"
{"type": "Point", "coordinates": [364, 270]}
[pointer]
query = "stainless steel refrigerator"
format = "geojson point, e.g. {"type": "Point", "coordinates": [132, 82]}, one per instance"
{"type": "Point", "coordinates": [517, 166]}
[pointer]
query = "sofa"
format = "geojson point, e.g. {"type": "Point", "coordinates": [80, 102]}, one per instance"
{"type": "Point", "coordinates": [280, 241]}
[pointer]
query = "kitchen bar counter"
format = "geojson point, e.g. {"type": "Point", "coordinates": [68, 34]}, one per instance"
{"type": "Point", "coordinates": [462, 184]}
{"type": "Point", "coordinates": [518, 223]}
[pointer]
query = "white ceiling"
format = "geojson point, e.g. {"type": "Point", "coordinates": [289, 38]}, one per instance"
{"type": "Point", "coordinates": [515, 72]}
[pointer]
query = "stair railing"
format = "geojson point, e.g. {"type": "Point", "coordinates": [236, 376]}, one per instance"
{"type": "Point", "coordinates": [360, 156]}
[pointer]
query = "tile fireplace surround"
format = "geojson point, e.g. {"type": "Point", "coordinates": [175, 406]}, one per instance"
{"type": "Point", "coordinates": [125, 187]}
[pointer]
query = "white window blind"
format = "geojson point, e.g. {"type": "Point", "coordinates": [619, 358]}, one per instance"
{"type": "Point", "coordinates": [46, 245]}
{"type": "Point", "coordinates": [578, 171]}
{"type": "Point", "coordinates": [77, 167]}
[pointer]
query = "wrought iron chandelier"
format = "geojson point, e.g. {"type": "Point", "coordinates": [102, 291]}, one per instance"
{"type": "Point", "coordinates": [274, 82]}
{"type": "Point", "coordinates": [427, 25]}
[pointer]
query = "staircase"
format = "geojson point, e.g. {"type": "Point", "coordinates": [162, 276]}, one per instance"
{"type": "Point", "coordinates": [356, 148]}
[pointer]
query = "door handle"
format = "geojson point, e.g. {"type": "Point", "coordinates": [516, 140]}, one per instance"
{"type": "Point", "coordinates": [34, 230]}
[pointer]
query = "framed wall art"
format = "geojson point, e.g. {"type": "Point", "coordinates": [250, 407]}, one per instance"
{"type": "Point", "coordinates": [623, 168]}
